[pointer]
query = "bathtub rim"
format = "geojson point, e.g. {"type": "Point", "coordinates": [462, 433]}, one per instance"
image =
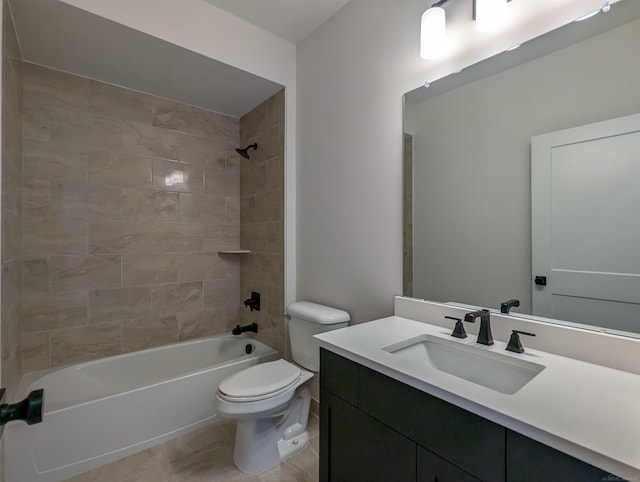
{"type": "Point", "coordinates": [29, 378]}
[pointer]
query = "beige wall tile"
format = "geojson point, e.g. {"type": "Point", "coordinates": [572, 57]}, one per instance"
{"type": "Point", "coordinates": [54, 160]}
{"type": "Point", "coordinates": [53, 89]}
{"type": "Point", "coordinates": [11, 192]}
{"type": "Point", "coordinates": [119, 237]}
{"type": "Point", "coordinates": [232, 210]}
{"type": "Point", "coordinates": [275, 238]}
{"type": "Point", "coordinates": [223, 292]}
{"type": "Point", "coordinates": [86, 128]}
{"type": "Point", "coordinates": [195, 121]}
{"type": "Point", "coordinates": [269, 268]}
{"type": "Point", "coordinates": [119, 304]}
{"type": "Point", "coordinates": [254, 121]}
{"type": "Point", "coordinates": [146, 140]}
{"type": "Point", "coordinates": [150, 269]}
{"type": "Point", "coordinates": [149, 332]}
{"type": "Point", "coordinates": [36, 197]}
{"type": "Point", "coordinates": [131, 237]}
{"type": "Point", "coordinates": [177, 236]}
{"type": "Point", "coordinates": [201, 208]}
{"type": "Point", "coordinates": [54, 236]}
{"type": "Point", "coordinates": [275, 173]}
{"type": "Point", "coordinates": [221, 236]}
{"type": "Point", "coordinates": [11, 284]}
{"type": "Point", "coordinates": [269, 206]}
{"type": "Point", "coordinates": [117, 102]}
{"type": "Point", "coordinates": [11, 235]}
{"type": "Point", "coordinates": [35, 275]}
{"type": "Point", "coordinates": [253, 180]}
{"type": "Point", "coordinates": [148, 205]}
{"type": "Point", "coordinates": [275, 109]}
{"type": "Point", "coordinates": [207, 322]}
{"type": "Point", "coordinates": [254, 236]}
{"type": "Point", "coordinates": [177, 176]}
{"type": "Point", "coordinates": [222, 182]}
{"type": "Point", "coordinates": [204, 151]}
{"type": "Point", "coordinates": [78, 272]}
{"type": "Point", "coordinates": [248, 209]}
{"type": "Point", "coordinates": [201, 266]}
{"type": "Point", "coordinates": [84, 201]}
{"type": "Point", "coordinates": [75, 345]}
{"type": "Point", "coordinates": [36, 124]}
{"type": "Point", "coordinates": [176, 298]}
{"type": "Point", "coordinates": [49, 311]}
{"type": "Point", "coordinates": [112, 167]}
{"type": "Point", "coordinates": [270, 145]}
{"type": "Point", "coordinates": [35, 351]}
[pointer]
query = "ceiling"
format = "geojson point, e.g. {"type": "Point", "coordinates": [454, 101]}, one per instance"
{"type": "Point", "coordinates": [292, 20]}
{"type": "Point", "coordinates": [63, 37]}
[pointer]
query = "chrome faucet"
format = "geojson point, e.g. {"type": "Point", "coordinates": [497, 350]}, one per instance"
{"type": "Point", "coordinates": [484, 335]}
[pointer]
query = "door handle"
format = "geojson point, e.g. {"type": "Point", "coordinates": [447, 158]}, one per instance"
{"type": "Point", "coordinates": [541, 280]}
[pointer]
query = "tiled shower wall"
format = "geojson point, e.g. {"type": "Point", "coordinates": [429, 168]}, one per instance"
{"type": "Point", "coordinates": [262, 220]}
{"type": "Point", "coordinates": [11, 202]}
{"type": "Point", "coordinates": [126, 200]}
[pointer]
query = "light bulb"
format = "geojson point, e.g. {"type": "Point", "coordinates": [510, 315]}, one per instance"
{"type": "Point", "coordinates": [490, 14]}
{"type": "Point", "coordinates": [433, 33]}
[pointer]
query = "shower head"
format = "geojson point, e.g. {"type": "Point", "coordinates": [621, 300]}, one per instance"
{"type": "Point", "coordinates": [245, 152]}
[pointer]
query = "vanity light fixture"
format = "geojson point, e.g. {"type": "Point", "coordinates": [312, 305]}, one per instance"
{"type": "Point", "coordinates": [488, 14]}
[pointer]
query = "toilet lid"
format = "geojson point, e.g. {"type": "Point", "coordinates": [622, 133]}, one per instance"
{"type": "Point", "coordinates": [260, 379]}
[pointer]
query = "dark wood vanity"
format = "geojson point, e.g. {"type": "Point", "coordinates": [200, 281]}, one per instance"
{"type": "Point", "coordinates": [375, 428]}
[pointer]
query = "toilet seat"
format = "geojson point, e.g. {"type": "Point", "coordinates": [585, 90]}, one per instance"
{"type": "Point", "coordinates": [260, 381]}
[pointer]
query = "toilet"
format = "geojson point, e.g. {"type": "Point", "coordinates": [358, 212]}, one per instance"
{"type": "Point", "coordinates": [270, 401]}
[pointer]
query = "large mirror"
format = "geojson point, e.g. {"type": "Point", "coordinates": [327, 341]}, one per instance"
{"type": "Point", "coordinates": [468, 164]}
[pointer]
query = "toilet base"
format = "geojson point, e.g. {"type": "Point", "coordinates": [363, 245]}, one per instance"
{"type": "Point", "coordinates": [263, 443]}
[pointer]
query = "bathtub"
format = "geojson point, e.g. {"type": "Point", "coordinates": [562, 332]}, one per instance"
{"type": "Point", "coordinates": [100, 411]}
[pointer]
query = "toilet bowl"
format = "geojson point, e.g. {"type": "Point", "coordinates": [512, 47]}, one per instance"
{"type": "Point", "coordinates": [270, 401]}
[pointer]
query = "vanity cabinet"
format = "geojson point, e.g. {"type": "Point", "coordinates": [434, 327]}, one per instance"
{"type": "Point", "coordinates": [374, 428]}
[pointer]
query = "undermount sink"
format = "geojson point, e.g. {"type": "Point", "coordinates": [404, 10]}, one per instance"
{"type": "Point", "coordinates": [503, 373]}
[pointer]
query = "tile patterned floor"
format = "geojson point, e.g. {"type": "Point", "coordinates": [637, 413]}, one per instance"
{"type": "Point", "coordinates": [205, 456]}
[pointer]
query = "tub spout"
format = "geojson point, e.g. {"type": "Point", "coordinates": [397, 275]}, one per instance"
{"type": "Point", "coordinates": [241, 329]}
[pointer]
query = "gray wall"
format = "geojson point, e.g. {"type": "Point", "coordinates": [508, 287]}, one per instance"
{"type": "Point", "coordinates": [472, 210]}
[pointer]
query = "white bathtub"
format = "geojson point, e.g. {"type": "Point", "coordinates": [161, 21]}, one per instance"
{"type": "Point", "coordinates": [100, 411]}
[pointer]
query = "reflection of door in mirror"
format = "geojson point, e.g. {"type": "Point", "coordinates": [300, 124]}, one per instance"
{"type": "Point", "coordinates": [585, 223]}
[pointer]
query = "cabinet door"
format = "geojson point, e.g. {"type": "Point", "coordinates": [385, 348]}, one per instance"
{"type": "Point", "coordinates": [531, 461]}
{"type": "Point", "coordinates": [463, 438]}
{"type": "Point", "coordinates": [432, 468]}
{"type": "Point", "coordinates": [356, 448]}
{"type": "Point", "coordinates": [339, 376]}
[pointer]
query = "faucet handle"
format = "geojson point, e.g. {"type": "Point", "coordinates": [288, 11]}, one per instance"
{"type": "Point", "coordinates": [458, 331]}
{"type": "Point", "coordinates": [514, 342]}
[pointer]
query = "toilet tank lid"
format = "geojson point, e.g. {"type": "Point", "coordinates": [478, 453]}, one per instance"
{"type": "Point", "coordinates": [317, 313]}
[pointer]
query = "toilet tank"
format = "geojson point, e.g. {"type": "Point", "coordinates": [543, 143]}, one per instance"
{"type": "Point", "coordinates": [308, 319]}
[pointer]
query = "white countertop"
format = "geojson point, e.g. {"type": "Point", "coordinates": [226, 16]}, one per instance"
{"type": "Point", "coordinates": [588, 411]}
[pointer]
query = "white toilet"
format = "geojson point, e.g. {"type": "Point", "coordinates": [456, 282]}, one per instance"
{"type": "Point", "coordinates": [270, 401]}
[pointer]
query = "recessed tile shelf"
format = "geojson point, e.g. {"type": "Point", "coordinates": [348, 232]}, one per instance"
{"type": "Point", "coordinates": [234, 251]}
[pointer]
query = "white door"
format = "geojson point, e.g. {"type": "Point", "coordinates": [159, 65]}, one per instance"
{"type": "Point", "coordinates": [585, 185]}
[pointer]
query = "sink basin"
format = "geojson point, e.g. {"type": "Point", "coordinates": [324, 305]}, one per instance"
{"type": "Point", "coordinates": [502, 373]}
